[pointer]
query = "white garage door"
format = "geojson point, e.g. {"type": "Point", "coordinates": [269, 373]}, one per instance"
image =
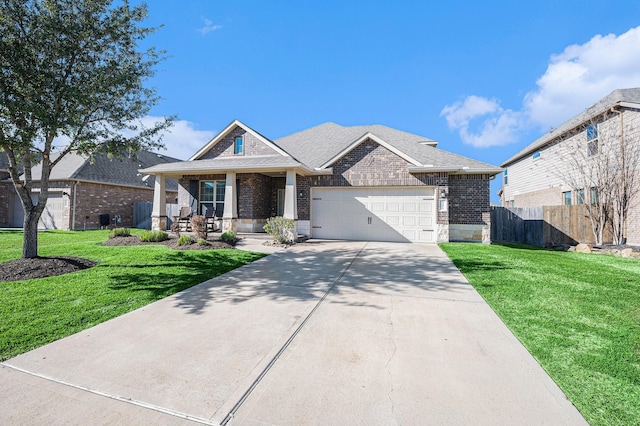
{"type": "Point", "coordinates": [374, 214]}
{"type": "Point", "coordinates": [51, 216]}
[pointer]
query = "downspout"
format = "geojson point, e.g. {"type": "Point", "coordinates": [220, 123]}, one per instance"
{"type": "Point", "coordinates": [73, 212]}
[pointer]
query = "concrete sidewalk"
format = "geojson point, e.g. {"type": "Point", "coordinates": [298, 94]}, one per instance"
{"type": "Point", "coordinates": [322, 333]}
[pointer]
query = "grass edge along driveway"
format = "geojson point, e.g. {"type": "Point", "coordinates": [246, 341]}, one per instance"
{"type": "Point", "coordinates": [39, 311]}
{"type": "Point", "coordinates": [577, 314]}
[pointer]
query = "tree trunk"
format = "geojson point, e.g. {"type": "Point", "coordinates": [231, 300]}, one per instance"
{"type": "Point", "coordinates": [30, 241]}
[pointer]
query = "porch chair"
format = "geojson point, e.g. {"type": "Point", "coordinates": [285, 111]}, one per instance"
{"type": "Point", "coordinates": [184, 219]}
{"type": "Point", "coordinates": [210, 215]}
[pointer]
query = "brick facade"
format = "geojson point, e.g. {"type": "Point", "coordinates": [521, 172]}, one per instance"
{"type": "Point", "coordinates": [368, 165]}
{"type": "Point", "coordinates": [6, 199]}
{"type": "Point", "coordinates": [469, 199]}
{"type": "Point", "coordinates": [225, 147]}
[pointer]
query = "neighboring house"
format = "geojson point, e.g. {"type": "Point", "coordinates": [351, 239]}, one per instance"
{"type": "Point", "coordinates": [335, 182]}
{"type": "Point", "coordinates": [541, 174]}
{"type": "Point", "coordinates": [81, 190]}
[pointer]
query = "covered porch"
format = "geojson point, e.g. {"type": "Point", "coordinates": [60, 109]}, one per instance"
{"type": "Point", "coordinates": [241, 199]}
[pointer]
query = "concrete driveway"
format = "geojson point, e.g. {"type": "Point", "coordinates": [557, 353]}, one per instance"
{"type": "Point", "coordinates": [323, 333]}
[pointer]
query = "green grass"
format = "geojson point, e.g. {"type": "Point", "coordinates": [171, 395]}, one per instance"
{"type": "Point", "coordinates": [39, 311]}
{"type": "Point", "coordinates": [577, 314]}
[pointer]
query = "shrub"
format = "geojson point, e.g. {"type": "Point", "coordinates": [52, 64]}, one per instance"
{"type": "Point", "coordinates": [119, 232]}
{"type": "Point", "coordinates": [154, 236]}
{"type": "Point", "coordinates": [229, 237]}
{"type": "Point", "coordinates": [184, 240]}
{"type": "Point", "coordinates": [202, 242]}
{"type": "Point", "coordinates": [280, 229]}
{"type": "Point", "coordinates": [199, 226]}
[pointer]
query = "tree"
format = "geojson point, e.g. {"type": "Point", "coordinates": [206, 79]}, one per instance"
{"type": "Point", "coordinates": [71, 80]}
{"type": "Point", "coordinates": [605, 171]}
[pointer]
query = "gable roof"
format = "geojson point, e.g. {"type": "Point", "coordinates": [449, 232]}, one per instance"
{"type": "Point", "coordinates": [108, 170]}
{"type": "Point", "coordinates": [619, 97]}
{"type": "Point", "coordinates": [231, 126]}
{"type": "Point", "coordinates": [321, 146]}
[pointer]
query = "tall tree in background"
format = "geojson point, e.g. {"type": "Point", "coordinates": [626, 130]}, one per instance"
{"type": "Point", "coordinates": [71, 80]}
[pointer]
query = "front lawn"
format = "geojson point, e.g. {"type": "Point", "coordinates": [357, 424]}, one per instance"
{"type": "Point", "coordinates": [577, 314]}
{"type": "Point", "coordinates": [39, 311]}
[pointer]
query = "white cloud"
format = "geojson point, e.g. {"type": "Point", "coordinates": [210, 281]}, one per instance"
{"type": "Point", "coordinates": [499, 126]}
{"type": "Point", "coordinates": [209, 26]}
{"type": "Point", "coordinates": [574, 80]}
{"type": "Point", "coordinates": [582, 74]}
{"type": "Point", "coordinates": [182, 140]}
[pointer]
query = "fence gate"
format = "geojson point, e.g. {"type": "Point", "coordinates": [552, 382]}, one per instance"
{"type": "Point", "coordinates": [142, 214]}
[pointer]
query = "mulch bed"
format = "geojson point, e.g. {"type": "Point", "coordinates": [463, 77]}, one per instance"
{"type": "Point", "coordinates": [41, 267]}
{"type": "Point", "coordinates": [172, 243]}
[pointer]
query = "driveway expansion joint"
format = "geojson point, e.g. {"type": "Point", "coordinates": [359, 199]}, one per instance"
{"type": "Point", "coordinates": [284, 347]}
{"type": "Point", "coordinates": [123, 399]}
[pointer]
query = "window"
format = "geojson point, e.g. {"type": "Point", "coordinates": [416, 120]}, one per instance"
{"type": "Point", "coordinates": [566, 196]}
{"type": "Point", "coordinates": [580, 197]}
{"type": "Point", "coordinates": [592, 141]}
{"type": "Point", "coordinates": [536, 155]}
{"type": "Point", "coordinates": [442, 205]}
{"type": "Point", "coordinates": [238, 145]}
{"type": "Point", "coordinates": [212, 197]}
{"type": "Point", "coordinates": [506, 176]}
{"type": "Point", "coordinates": [593, 196]}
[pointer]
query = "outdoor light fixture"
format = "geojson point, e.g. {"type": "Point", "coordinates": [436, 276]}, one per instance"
{"type": "Point", "coordinates": [301, 193]}
{"type": "Point", "coordinates": [443, 194]}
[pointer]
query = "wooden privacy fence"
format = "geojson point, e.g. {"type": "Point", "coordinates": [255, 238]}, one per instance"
{"type": "Point", "coordinates": [542, 226]}
{"type": "Point", "coordinates": [142, 214]}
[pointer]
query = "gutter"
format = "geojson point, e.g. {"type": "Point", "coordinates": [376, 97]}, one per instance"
{"type": "Point", "coordinates": [455, 170]}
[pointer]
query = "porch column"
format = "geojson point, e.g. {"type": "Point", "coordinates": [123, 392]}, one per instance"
{"type": "Point", "coordinates": [230, 214]}
{"type": "Point", "coordinates": [159, 211]}
{"type": "Point", "coordinates": [291, 200]}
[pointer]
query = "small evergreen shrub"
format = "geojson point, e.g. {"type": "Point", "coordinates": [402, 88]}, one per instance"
{"type": "Point", "coordinates": [229, 237]}
{"type": "Point", "coordinates": [119, 232]}
{"type": "Point", "coordinates": [202, 242]}
{"type": "Point", "coordinates": [280, 229]}
{"type": "Point", "coordinates": [154, 236]}
{"type": "Point", "coordinates": [199, 226]}
{"type": "Point", "coordinates": [184, 240]}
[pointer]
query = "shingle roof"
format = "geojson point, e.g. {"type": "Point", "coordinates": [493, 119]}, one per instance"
{"type": "Point", "coordinates": [109, 170]}
{"type": "Point", "coordinates": [318, 145]}
{"type": "Point", "coordinates": [631, 95]}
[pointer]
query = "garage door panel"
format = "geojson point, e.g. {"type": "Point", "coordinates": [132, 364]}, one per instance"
{"type": "Point", "coordinates": [376, 214]}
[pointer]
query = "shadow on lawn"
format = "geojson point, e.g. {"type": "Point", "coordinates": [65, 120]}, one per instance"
{"type": "Point", "coordinates": [150, 278]}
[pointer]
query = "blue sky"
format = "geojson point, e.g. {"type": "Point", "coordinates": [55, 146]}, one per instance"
{"type": "Point", "coordinates": [483, 78]}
